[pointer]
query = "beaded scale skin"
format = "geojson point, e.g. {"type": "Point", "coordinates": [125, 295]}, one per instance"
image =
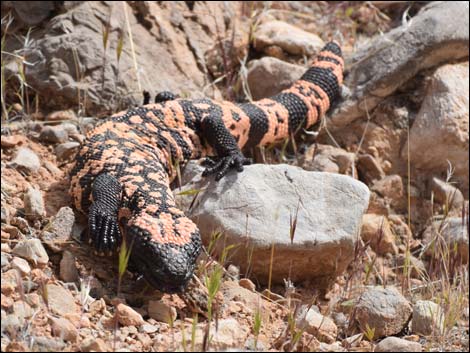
{"type": "Point", "coordinates": [123, 171]}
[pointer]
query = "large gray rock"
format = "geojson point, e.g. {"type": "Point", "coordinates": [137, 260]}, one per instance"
{"type": "Point", "coordinates": [439, 135]}
{"type": "Point", "coordinates": [438, 34]}
{"type": "Point", "coordinates": [255, 209]}
{"type": "Point", "coordinates": [70, 60]}
{"type": "Point", "coordinates": [395, 344]}
{"type": "Point", "coordinates": [428, 318]}
{"type": "Point", "coordinates": [268, 76]}
{"type": "Point", "coordinates": [26, 159]}
{"type": "Point", "coordinates": [288, 37]}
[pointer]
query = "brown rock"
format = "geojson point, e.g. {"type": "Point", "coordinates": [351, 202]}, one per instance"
{"type": "Point", "coordinates": [376, 230]}
{"type": "Point", "coordinates": [68, 269]}
{"type": "Point", "coordinates": [320, 326]}
{"type": "Point", "coordinates": [128, 316]}
{"type": "Point", "coordinates": [161, 311]}
{"type": "Point", "coordinates": [64, 329]}
{"type": "Point", "coordinates": [92, 344]}
{"type": "Point", "coordinates": [248, 284]}
{"type": "Point", "coordinates": [60, 300]}
{"type": "Point", "coordinates": [268, 76]}
{"type": "Point", "coordinates": [290, 38]}
{"type": "Point", "coordinates": [10, 141]}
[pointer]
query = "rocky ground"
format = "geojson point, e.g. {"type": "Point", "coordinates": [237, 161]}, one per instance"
{"type": "Point", "coordinates": [352, 237]}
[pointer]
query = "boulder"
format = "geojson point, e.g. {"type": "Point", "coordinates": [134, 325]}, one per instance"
{"type": "Point", "coordinates": [311, 219]}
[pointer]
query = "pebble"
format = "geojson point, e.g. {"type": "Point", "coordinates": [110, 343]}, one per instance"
{"type": "Point", "coordinates": [59, 230]}
{"type": "Point", "coordinates": [128, 316]}
{"type": "Point", "coordinates": [26, 159]}
{"type": "Point", "coordinates": [34, 203]}
{"type": "Point", "coordinates": [10, 141]}
{"type": "Point", "coordinates": [320, 326]}
{"type": "Point", "coordinates": [33, 251]}
{"type": "Point", "coordinates": [53, 134]}
{"type": "Point", "coordinates": [66, 150]}
{"type": "Point", "coordinates": [248, 284]}
{"type": "Point", "coordinates": [21, 265]}
{"type": "Point", "coordinates": [162, 312]}
{"type": "Point", "coordinates": [68, 269]}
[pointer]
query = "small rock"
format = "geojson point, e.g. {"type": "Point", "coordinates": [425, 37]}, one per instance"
{"type": "Point", "coordinates": [377, 231]}
{"type": "Point", "coordinates": [60, 300]}
{"type": "Point", "coordinates": [59, 230]}
{"type": "Point", "coordinates": [26, 159]}
{"type": "Point", "coordinates": [66, 150]}
{"type": "Point", "coordinates": [369, 168]}
{"type": "Point", "coordinates": [162, 312]}
{"type": "Point", "coordinates": [53, 134]}
{"type": "Point", "coordinates": [417, 268]}
{"type": "Point", "coordinates": [10, 141]}
{"type": "Point", "coordinates": [290, 38]}
{"type": "Point", "coordinates": [5, 214]}
{"type": "Point", "coordinates": [232, 292]}
{"type": "Point", "coordinates": [325, 158]}
{"type": "Point", "coordinates": [395, 344]}
{"type": "Point", "coordinates": [48, 344]}
{"type": "Point", "coordinates": [11, 324]}
{"type": "Point", "coordinates": [5, 260]}
{"type": "Point", "coordinates": [128, 316]}
{"type": "Point", "coordinates": [352, 341]}
{"type": "Point", "coordinates": [320, 326]}
{"type": "Point", "coordinates": [428, 318]}
{"type": "Point", "coordinates": [390, 187]}
{"type": "Point", "coordinates": [447, 194]}
{"type": "Point", "coordinates": [92, 344]}
{"type": "Point", "coordinates": [248, 284]}
{"type": "Point", "coordinates": [9, 281]}
{"type": "Point", "coordinates": [228, 333]}
{"type": "Point", "coordinates": [147, 328]}
{"type": "Point", "coordinates": [33, 251]}
{"type": "Point", "coordinates": [64, 329]}
{"type": "Point", "coordinates": [70, 128]}
{"type": "Point", "coordinates": [21, 265]}
{"type": "Point", "coordinates": [268, 76]}
{"type": "Point", "coordinates": [6, 302]}
{"type": "Point", "coordinates": [34, 203]}
{"type": "Point", "coordinates": [68, 269]}
{"type": "Point", "coordinates": [63, 115]}
{"type": "Point", "coordinates": [455, 233]}
{"type": "Point", "coordinates": [233, 271]}
{"type": "Point", "coordinates": [22, 310]}
{"type": "Point", "coordinates": [383, 310]}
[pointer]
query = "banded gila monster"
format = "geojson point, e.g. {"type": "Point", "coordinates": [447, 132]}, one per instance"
{"type": "Point", "coordinates": [122, 174]}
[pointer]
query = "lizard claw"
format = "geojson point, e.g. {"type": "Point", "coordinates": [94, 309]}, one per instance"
{"type": "Point", "coordinates": [224, 164]}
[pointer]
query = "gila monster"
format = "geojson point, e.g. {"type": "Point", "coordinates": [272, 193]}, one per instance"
{"type": "Point", "coordinates": [122, 174]}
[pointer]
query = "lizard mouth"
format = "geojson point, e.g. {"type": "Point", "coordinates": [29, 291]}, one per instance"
{"type": "Point", "coordinates": [167, 267]}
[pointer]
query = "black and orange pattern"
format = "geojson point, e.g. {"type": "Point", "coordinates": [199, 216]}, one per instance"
{"type": "Point", "coordinates": [123, 172]}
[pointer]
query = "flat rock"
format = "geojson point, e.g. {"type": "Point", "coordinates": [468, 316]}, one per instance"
{"type": "Point", "coordinates": [290, 38]}
{"type": "Point", "coordinates": [428, 318]}
{"type": "Point", "coordinates": [436, 35]}
{"type": "Point", "coordinates": [26, 159]}
{"type": "Point", "coordinates": [395, 344]}
{"type": "Point", "coordinates": [32, 250]}
{"type": "Point", "coordinates": [256, 208]}
{"type": "Point", "coordinates": [439, 134]}
{"type": "Point", "coordinates": [268, 76]}
{"type": "Point", "coordinates": [61, 301]}
{"type": "Point", "coordinates": [59, 230]}
{"type": "Point", "coordinates": [21, 265]}
{"type": "Point", "coordinates": [384, 310]}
